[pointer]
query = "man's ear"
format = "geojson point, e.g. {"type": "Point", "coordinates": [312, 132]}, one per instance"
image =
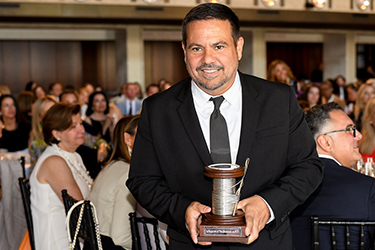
{"type": "Point", "coordinates": [184, 49]}
{"type": "Point", "coordinates": [324, 142]}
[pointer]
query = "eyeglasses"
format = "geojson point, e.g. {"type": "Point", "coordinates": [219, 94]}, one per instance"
{"type": "Point", "coordinates": [353, 129]}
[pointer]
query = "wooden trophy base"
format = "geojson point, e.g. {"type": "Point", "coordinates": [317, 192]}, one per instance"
{"type": "Point", "coordinates": [215, 228]}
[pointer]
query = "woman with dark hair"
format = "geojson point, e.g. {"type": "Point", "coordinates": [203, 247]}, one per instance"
{"type": "Point", "coordinates": [112, 199]}
{"type": "Point", "coordinates": [30, 86]}
{"type": "Point", "coordinates": [311, 96]}
{"type": "Point", "coordinates": [25, 101]}
{"type": "Point", "coordinates": [39, 92]}
{"type": "Point", "coordinates": [58, 168]}
{"type": "Point", "coordinates": [14, 129]}
{"type": "Point", "coordinates": [97, 120]}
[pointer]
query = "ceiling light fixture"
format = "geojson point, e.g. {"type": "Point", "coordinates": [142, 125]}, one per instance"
{"type": "Point", "coordinates": [363, 4]}
{"type": "Point", "coordinates": [151, 1]}
{"type": "Point", "coordinates": [320, 4]}
{"type": "Point", "coordinates": [214, 1]}
{"type": "Point", "coordinates": [270, 3]}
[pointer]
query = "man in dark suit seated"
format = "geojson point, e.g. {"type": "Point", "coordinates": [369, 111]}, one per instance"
{"type": "Point", "coordinates": [343, 194]}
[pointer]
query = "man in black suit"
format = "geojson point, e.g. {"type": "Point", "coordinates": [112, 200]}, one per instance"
{"type": "Point", "coordinates": [265, 123]}
{"type": "Point", "coordinates": [343, 194]}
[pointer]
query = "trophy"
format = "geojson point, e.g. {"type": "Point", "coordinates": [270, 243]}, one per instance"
{"type": "Point", "coordinates": [225, 223]}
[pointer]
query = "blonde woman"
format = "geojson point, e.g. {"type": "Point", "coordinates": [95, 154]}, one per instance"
{"type": "Point", "coordinates": [112, 199]}
{"type": "Point", "coordinates": [367, 143]}
{"type": "Point", "coordinates": [365, 93]}
{"type": "Point", "coordinates": [36, 143]}
{"type": "Point", "coordinates": [279, 71]}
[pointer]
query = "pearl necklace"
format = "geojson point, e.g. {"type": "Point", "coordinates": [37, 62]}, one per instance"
{"type": "Point", "coordinates": [86, 177]}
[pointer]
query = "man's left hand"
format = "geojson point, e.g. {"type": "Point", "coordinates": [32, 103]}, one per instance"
{"type": "Point", "coordinates": [256, 215]}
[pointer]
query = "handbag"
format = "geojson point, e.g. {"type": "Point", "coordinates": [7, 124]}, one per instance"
{"type": "Point", "coordinates": [73, 242]}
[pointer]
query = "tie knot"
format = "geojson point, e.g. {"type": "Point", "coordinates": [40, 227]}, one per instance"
{"type": "Point", "coordinates": [217, 101]}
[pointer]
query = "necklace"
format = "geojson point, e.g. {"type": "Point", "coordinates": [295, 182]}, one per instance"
{"type": "Point", "coordinates": [77, 166]}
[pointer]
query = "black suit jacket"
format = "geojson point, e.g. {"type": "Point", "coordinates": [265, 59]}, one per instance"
{"type": "Point", "coordinates": [343, 194]}
{"type": "Point", "coordinates": [170, 153]}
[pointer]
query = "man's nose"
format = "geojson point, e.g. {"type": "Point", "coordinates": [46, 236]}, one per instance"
{"type": "Point", "coordinates": [358, 135]}
{"type": "Point", "coordinates": [208, 56]}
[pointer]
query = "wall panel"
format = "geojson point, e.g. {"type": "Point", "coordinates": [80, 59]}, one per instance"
{"type": "Point", "coordinates": [15, 65]}
{"type": "Point", "coordinates": [69, 63]}
{"type": "Point", "coordinates": [167, 61]}
{"type": "Point", "coordinates": [43, 62]}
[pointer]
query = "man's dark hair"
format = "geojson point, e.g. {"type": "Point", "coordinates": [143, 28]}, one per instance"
{"type": "Point", "coordinates": [209, 11]}
{"type": "Point", "coordinates": [152, 85]}
{"type": "Point", "coordinates": [318, 116]}
{"type": "Point", "coordinates": [51, 85]}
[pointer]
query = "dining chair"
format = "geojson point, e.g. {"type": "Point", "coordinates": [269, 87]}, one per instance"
{"type": "Point", "coordinates": [89, 229]}
{"type": "Point", "coordinates": [147, 224]}
{"type": "Point", "coordinates": [347, 226]}
{"type": "Point", "coordinates": [12, 214]}
{"type": "Point", "coordinates": [25, 193]}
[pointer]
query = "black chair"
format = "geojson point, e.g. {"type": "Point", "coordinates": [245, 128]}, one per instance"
{"type": "Point", "coordinates": [88, 230]}
{"type": "Point", "coordinates": [136, 245]}
{"type": "Point", "coordinates": [346, 224]}
{"type": "Point", "coordinates": [25, 192]}
{"type": "Point", "coordinates": [22, 162]}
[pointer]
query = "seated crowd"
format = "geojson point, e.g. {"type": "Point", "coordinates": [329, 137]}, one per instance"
{"type": "Point", "coordinates": [72, 136]}
{"type": "Point", "coordinates": [81, 140]}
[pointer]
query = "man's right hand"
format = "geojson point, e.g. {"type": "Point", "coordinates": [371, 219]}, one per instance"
{"type": "Point", "coordinates": [193, 220]}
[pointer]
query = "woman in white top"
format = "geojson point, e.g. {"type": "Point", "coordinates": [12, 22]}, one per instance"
{"type": "Point", "coordinates": [58, 168]}
{"type": "Point", "coordinates": [112, 199]}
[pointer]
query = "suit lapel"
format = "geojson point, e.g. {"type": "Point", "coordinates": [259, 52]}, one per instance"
{"type": "Point", "coordinates": [191, 124]}
{"type": "Point", "coordinates": [250, 115]}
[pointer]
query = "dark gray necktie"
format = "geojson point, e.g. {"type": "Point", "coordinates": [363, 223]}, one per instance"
{"type": "Point", "coordinates": [130, 108]}
{"type": "Point", "coordinates": [219, 140]}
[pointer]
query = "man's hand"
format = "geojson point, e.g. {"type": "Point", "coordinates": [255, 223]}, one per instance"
{"type": "Point", "coordinates": [256, 215]}
{"type": "Point", "coordinates": [193, 220]}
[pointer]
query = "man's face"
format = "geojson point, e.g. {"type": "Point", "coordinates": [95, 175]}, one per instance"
{"type": "Point", "coordinates": [69, 98]}
{"type": "Point", "coordinates": [211, 56]}
{"type": "Point", "coordinates": [345, 145]}
{"type": "Point", "coordinates": [326, 90]}
{"type": "Point", "coordinates": [57, 89]}
{"type": "Point", "coordinates": [131, 91]}
{"type": "Point", "coordinates": [152, 90]}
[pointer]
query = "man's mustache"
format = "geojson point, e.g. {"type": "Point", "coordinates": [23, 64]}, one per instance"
{"type": "Point", "coordinates": [209, 66]}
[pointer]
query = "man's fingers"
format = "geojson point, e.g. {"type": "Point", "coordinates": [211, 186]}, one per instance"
{"type": "Point", "coordinates": [256, 216]}
{"type": "Point", "coordinates": [193, 218]}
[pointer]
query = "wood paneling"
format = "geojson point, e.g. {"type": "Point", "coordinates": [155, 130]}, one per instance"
{"type": "Point", "coordinates": [89, 62]}
{"type": "Point", "coordinates": [15, 67]}
{"type": "Point", "coordinates": [106, 67]}
{"type": "Point", "coordinates": [43, 62]}
{"type": "Point", "coordinates": [69, 63]}
{"type": "Point", "coordinates": [164, 60]}
{"type": "Point", "coordinates": [302, 58]}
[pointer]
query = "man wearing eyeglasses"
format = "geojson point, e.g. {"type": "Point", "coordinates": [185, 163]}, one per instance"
{"type": "Point", "coordinates": [343, 194]}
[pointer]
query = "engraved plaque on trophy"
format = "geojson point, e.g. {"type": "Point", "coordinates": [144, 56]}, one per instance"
{"type": "Point", "coordinates": [225, 223]}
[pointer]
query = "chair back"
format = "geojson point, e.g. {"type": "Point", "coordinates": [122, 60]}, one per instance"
{"type": "Point", "coordinates": [89, 229]}
{"type": "Point", "coordinates": [25, 193]}
{"type": "Point", "coordinates": [144, 221]}
{"type": "Point", "coordinates": [360, 244]}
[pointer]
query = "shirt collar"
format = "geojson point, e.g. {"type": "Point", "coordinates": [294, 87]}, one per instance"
{"type": "Point", "coordinates": [329, 157]}
{"type": "Point", "coordinates": [201, 98]}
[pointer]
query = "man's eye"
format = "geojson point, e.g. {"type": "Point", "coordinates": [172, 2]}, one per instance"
{"type": "Point", "coordinates": [219, 47]}
{"type": "Point", "coordinates": [196, 49]}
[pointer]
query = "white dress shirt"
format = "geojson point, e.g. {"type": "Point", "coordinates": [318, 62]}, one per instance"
{"type": "Point", "coordinates": [231, 109]}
